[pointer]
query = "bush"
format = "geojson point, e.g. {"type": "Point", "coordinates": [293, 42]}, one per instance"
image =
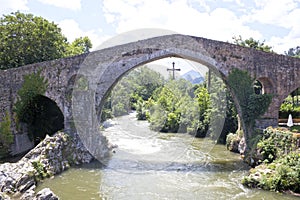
{"type": "Point", "coordinates": [275, 143]}
{"type": "Point", "coordinates": [281, 175]}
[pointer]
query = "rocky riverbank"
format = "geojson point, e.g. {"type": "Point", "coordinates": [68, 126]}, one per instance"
{"type": "Point", "coordinates": [52, 156]}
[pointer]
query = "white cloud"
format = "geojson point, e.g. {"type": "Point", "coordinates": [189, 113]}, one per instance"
{"type": "Point", "coordinates": [8, 6]}
{"type": "Point", "coordinates": [69, 4]}
{"type": "Point", "coordinates": [285, 14]}
{"type": "Point", "coordinates": [274, 12]}
{"type": "Point", "coordinates": [71, 29]}
{"type": "Point", "coordinates": [178, 16]}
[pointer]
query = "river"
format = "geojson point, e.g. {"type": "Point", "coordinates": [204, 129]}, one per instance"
{"type": "Point", "coordinates": [151, 165]}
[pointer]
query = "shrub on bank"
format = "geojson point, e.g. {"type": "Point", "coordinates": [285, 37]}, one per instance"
{"type": "Point", "coordinates": [281, 175]}
{"type": "Point", "coordinates": [275, 143]}
{"type": "Point", "coordinates": [278, 156]}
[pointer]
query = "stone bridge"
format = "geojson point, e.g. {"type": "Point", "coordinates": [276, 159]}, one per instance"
{"type": "Point", "coordinates": [100, 71]}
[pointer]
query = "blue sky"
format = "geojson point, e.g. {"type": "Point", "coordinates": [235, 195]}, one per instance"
{"type": "Point", "coordinates": [277, 22]}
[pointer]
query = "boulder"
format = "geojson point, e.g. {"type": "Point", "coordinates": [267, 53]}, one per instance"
{"type": "Point", "coordinates": [52, 156]}
{"type": "Point", "coordinates": [45, 194]}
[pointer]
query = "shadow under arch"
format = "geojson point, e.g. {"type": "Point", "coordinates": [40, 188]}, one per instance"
{"type": "Point", "coordinates": [45, 118]}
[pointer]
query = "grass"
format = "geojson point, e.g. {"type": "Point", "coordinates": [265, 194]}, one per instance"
{"type": "Point", "coordinates": [295, 129]}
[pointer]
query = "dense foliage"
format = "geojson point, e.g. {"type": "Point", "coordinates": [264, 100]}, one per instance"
{"type": "Point", "coordinates": [278, 152]}
{"type": "Point", "coordinates": [275, 143]}
{"type": "Point", "coordinates": [131, 91]}
{"type": "Point", "coordinates": [6, 136]}
{"type": "Point", "coordinates": [26, 39]}
{"type": "Point", "coordinates": [178, 107]}
{"type": "Point", "coordinates": [78, 46]}
{"type": "Point", "coordinates": [39, 113]}
{"type": "Point", "coordinates": [223, 114]}
{"type": "Point", "coordinates": [34, 85]}
{"type": "Point", "coordinates": [174, 105]}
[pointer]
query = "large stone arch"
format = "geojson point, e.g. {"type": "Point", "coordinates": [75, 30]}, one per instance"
{"type": "Point", "coordinates": [104, 75]}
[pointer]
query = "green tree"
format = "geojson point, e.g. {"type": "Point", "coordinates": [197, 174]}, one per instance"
{"type": "Point", "coordinates": [26, 39]}
{"type": "Point", "coordinates": [174, 109]}
{"type": "Point", "coordinates": [294, 52]}
{"type": "Point", "coordinates": [223, 115]}
{"type": "Point", "coordinates": [203, 100]}
{"type": "Point", "coordinates": [251, 43]}
{"type": "Point", "coordinates": [79, 46]}
{"type": "Point", "coordinates": [132, 93]}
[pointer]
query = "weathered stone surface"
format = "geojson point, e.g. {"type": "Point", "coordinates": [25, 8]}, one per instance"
{"type": "Point", "coordinates": [4, 196]}
{"type": "Point", "coordinates": [52, 156]}
{"type": "Point", "coordinates": [278, 74]}
{"type": "Point", "coordinates": [29, 194]}
{"type": "Point", "coordinates": [45, 194]}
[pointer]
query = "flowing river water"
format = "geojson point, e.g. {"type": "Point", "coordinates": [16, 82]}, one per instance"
{"type": "Point", "coordinates": [151, 165]}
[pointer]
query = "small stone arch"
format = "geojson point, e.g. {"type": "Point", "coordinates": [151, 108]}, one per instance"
{"type": "Point", "coordinates": [284, 115]}
{"type": "Point", "coordinates": [267, 85]}
{"type": "Point", "coordinates": [46, 118]}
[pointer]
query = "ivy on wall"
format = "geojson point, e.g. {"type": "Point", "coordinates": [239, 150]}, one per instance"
{"type": "Point", "coordinates": [252, 105]}
{"type": "Point", "coordinates": [6, 136]}
{"type": "Point", "coordinates": [34, 85]}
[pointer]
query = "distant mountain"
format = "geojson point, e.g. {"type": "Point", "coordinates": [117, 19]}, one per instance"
{"type": "Point", "coordinates": [193, 76]}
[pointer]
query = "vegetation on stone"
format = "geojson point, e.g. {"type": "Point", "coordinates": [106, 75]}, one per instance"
{"type": "Point", "coordinates": [6, 136]}
{"type": "Point", "coordinates": [294, 52]}
{"type": "Point", "coordinates": [252, 43]}
{"type": "Point", "coordinates": [39, 113]}
{"type": "Point", "coordinates": [251, 105]}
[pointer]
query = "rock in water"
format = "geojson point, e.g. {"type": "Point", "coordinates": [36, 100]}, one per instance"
{"type": "Point", "coordinates": [45, 194]}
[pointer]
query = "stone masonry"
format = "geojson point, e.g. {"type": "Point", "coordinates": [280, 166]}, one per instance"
{"type": "Point", "coordinates": [102, 69]}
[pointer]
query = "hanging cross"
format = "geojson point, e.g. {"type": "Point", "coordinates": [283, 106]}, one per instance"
{"type": "Point", "coordinates": [173, 69]}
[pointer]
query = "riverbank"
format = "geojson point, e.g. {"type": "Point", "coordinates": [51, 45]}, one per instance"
{"type": "Point", "coordinates": [51, 157]}
{"type": "Point", "coordinates": [277, 160]}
